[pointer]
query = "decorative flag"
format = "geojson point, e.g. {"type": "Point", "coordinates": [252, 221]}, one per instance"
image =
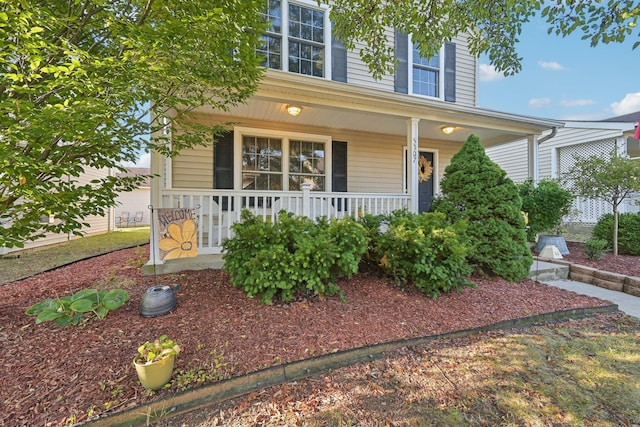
{"type": "Point", "coordinates": [178, 233]}
{"type": "Point", "coordinates": [637, 134]}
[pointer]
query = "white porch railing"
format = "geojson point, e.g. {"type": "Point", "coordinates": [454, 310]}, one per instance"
{"type": "Point", "coordinates": [218, 210]}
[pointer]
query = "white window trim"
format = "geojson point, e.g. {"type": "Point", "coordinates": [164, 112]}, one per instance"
{"type": "Point", "coordinates": [284, 54]}
{"type": "Point", "coordinates": [239, 132]}
{"type": "Point", "coordinates": [440, 72]}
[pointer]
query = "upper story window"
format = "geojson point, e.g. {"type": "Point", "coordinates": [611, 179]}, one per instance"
{"type": "Point", "coordinates": [434, 77]}
{"type": "Point", "coordinates": [299, 31]}
{"type": "Point", "coordinates": [426, 74]}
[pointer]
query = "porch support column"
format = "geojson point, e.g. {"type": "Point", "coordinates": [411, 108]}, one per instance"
{"type": "Point", "coordinates": [412, 166]}
{"type": "Point", "coordinates": [532, 159]}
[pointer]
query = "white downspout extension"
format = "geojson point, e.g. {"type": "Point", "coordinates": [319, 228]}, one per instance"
{"type": "Point", "coordinates": [412, 147]}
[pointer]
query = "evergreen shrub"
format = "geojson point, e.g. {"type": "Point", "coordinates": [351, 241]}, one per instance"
{"type": "Point", "coordinates": [628, 232]}
{"type": "Point", "coordinates": [595, 249]}
{"type": "Point", "coordinates": [292, 255]}
{"type": "Point", "coordinates": [477, 190]}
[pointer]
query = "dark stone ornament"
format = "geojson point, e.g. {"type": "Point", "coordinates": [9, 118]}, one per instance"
{"type": "Point", "coordinates": [158, 300]}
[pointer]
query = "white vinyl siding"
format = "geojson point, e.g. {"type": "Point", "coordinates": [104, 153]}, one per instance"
{"type": "Point", "coordinates": [512, 158]}
{"type": "Point", "coordinates": [98, 224]}
{"type": "Point", "coordinates": [193, 168]}
{"type": "Point", "coordinates": [358, 71]}
{"type": "Point", "coordinates": [466, 66]}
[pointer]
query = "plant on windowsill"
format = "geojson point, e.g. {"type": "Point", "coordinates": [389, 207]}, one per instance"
{"type": "Point", "coordinates": [154, 362]}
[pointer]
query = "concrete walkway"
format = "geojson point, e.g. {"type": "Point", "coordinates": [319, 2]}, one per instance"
{"type": "Point", "coordinates": [628, 304]}
{"type": "Point", "coordinates": [556, 275]}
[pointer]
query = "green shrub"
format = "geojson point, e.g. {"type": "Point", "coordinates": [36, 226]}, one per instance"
{"type": "Point", "coordinates": [420, 249]}
{"type": "Point", "coordinates": [477, 190]}
{"type": "Point", "coordinates": [595, 249]}
{"type": "Point", "coordinates": [546, 205]}
{"type": "Point", "coordinates": [292, 254]}
{"type": "Point", "coordinates": [81, 306]}
{"type": "Point", "coordinates": [628, 232]}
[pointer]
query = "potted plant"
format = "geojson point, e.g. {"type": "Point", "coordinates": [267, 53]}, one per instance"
{"type": "Point", "coordinates": [154, 362]}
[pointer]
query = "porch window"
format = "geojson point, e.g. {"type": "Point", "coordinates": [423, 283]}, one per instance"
{"type": "Point", "coordinates": [261, 163]}
{"type": "Point", "coordinates": [306, 165]}
{"type": "Point", "coordinates": [304, 39]}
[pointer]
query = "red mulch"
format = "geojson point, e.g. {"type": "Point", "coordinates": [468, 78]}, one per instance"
{"type": "Point", "coordinates": [53, 375]}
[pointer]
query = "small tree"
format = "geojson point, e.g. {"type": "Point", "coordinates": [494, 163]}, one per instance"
{"type": "Point", "coordinates": [477, 190]}
{"type": "Point", "coordinates": [610, 179]}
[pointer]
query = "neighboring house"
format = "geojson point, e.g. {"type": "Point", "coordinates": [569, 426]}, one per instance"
{"type": "Point", "coordinates": [556, 151]}
{"type": "Point", "coordinates": [320, 119]}
{"type": "Point", "coordinates": [98, 224]}
{"type": "Point", "coordinates": [132, 207]}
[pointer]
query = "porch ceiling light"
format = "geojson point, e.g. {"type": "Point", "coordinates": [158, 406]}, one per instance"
{"type": "Point", "coordinates": [293, 110]}
{"type": "Point", "coordinates": [448, 130]}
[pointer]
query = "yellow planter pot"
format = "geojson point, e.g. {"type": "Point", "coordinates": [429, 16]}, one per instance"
{"type": "Point", "coordinates": [155, 375]}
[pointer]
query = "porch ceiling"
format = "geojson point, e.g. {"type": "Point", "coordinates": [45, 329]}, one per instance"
{"type": "Point", "coordinates": [356, 108]}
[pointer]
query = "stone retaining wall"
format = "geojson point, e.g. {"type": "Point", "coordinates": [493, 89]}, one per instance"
{"type": "Point", "coordinates": [603, 279]}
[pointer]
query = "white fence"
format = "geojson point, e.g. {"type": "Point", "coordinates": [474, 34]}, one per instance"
{"type": "Point", "coordinates": [218, 210]}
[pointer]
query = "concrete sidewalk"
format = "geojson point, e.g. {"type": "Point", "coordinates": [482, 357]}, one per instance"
{"type": "Point", "coordinates": [557, 275]}
{"type": "Point", "coordinates": [628, 304]}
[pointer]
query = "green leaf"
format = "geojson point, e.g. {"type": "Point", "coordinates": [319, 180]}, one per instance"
{"type": "Point", "coordinates": [85, 293]}
{"type": "Point", "coordinates": [41, 306]}
{"type": "Point", "coordinates": [82, 305]}
{"type": "Point", "coordinates": [115, 298]}
{"type": "Point", "coordinates": [48, 315]}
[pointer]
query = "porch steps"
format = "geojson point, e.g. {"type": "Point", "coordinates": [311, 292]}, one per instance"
{"type": "Point", "coordinates": [542, 271]}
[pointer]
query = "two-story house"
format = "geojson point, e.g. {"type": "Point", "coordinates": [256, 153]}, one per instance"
{"type": "Point", "coordinates": [321, 137]}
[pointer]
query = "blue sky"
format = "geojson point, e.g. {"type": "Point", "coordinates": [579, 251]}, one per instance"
{"type": "Point", "coordinates": [565, 78]}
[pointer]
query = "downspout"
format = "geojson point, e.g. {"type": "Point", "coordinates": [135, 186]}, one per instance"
{"type": "Point", "coordinates": [536, 169]}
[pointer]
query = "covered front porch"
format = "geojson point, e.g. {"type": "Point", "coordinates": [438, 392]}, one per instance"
{"type": "Point", "coordinates": [372, 152]}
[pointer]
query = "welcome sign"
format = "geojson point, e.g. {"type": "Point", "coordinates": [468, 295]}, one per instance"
{"type": "Point", "coordinates": [178, 233]}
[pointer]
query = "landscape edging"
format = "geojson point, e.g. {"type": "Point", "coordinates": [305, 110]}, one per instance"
{"type": "Point", "coordinates": [206, 395]}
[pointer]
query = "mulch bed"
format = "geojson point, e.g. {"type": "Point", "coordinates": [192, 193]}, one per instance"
{"type": "Point", "coordinates": [54, 376]}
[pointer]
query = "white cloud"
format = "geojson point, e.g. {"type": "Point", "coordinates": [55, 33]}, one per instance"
{"type": "Point", "coordinates": [550, 65]}
{"type": "Point", "coordinates": [488, 73]}
{"type": "Point", "coordinates": [629, 104]}
{"type": "Point", "coordinates": [577, 102]}
{"type": "Point", "coordinates": [143, 161]}
{"type": "Point", "coordinates": [539, 102]}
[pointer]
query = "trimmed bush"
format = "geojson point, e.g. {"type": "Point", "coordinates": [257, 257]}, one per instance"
{"type": "Point", "coordinates": [546, 205]}
{"type": "Point", "coordinates": [628, 232]}
{"type": "Point", "coordinates": [421, 249]}
{"type": "Point", "coordinates": [595, 249]}
{"type": "Point", "coordinates": [477, 190]}
{"type": "Point", "coordinates": [292, 255]}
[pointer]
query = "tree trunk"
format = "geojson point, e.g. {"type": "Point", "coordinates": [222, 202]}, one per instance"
{"type": "Point", "coordinates": [615, 230]}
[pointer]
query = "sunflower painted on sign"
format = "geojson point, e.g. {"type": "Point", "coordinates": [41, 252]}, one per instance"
{"type": "Point", "coordinates": [180, 241]}
{"type": "Point", "coordinates": [424, 169]}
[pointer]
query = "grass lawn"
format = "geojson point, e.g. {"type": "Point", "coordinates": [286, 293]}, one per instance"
{"type": "Point", "coordinates": [37, 260]}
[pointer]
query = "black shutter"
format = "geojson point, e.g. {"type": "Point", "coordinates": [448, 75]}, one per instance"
{"type": "Point", "coordinates": [450, 72]}
{"type": "Point", "coordinates": [339, 166]}
{"type": "Point", "coordinates": [402, 58]}
{"type": "Point", "coordinates": [223, 164]}
{"type": "Point", "coordinates": [339, 171]}
{"type": "Point", "coordinates": [338, 61]}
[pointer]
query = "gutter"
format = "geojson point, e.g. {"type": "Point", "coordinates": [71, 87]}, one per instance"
{"type": "Point", "coordinates": [554, 132]}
